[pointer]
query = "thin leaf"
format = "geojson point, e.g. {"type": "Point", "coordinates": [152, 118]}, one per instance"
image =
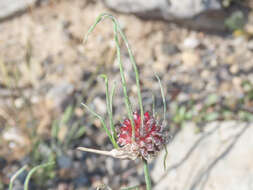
{"type": "Point", "coordinates": [55, 129]}
{"type": "Point", "coordinates": [153, 105]}
{"type": "Point", "coordinates": [123, 81]}
{"type": "Point", "coordinates": [111, 105]}
{"type": "Point", "coordinates": [165, 157]}
{"type": "Point", "coordinates": [16, 175]}
{"type": "Point", "coordinates": [101, 120]}
{"type": "Point", "coordinates": [71, 134]}
{"type": "Point", "coordinates": [80, 132]}
{"type": "Point", "coordinates": [109, 110]}
{"type": "Point", "coordinates": [26, 185]}
{"type": "Point", "coordinates": [163, 97]}
{"type": "Point", "coordinates": [67, 115]}
{"type": "Point", "coordinates": [112, 95]}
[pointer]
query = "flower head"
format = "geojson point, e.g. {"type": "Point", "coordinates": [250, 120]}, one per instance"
{"type": "Point", "coordinates": [148, 141]}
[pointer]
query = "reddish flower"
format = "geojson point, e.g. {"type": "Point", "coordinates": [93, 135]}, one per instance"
{"type": "Point", "coordinates": [146, 144]}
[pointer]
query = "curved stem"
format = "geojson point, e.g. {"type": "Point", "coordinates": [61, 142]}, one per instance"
{"type": "Point", "coordinates": [127, 102]}
{"type": "Point", "coordinates": [136, 75]}
{"type": "Point", "coordinates": [123, 81]}
{"type": "Point", "coordinates": [29, 175]}
{"type": "Point", "coordinates": [16, 175]}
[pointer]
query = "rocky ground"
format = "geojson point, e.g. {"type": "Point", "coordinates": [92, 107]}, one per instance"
{"type": "Point", "coordinates": [46, 72]}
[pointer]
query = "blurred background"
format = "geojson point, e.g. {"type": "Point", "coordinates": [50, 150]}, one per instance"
{"type": "Point", "coordinates": [203, 53]}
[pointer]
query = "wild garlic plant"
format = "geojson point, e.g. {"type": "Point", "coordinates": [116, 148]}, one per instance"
{"type": "Point", "coordinates": [140, 136]}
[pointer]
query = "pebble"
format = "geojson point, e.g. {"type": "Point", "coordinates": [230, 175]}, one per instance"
{"type": "Point", "coordinates": [100, 105]}
{"type": "Point", "coordinates": [59, 93]}
{"type": "Point", "coordinates": [64, 161]}
{"type": "Point", "coordinates": [169, 49]}
{"type": "Point", "coordinates": [250, 45]}
{"type": "Point", "coordinates": [81, 180]}
{"type": "Point", "coordinates": [158, 67]}
{"type": "Point", "coordinates": [205, 74]}
{"type": "Point", "coordinates": [14, 135]}
{"type": "Point", "coordinates": [3, 162]}
{"type": "Point", "coordinates": [19, 102]}
{"type": "Point", "coordinates": [191, 43]}
{"type": "Point", "coordinates": [65, 186]}
{"type": "Point", "coordinates": [109, 165]}
{"type": "Point", "coordinates": [234, 68]}
{"type": "Point", "coordinates": [190, 59]}
{"type": "Point", "coordinates": [183, 97]}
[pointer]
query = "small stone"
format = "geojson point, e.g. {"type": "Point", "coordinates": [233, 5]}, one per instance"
{"type": "Point", "coordinates": [230, 60]}
{"type": "Point", "coordinates": [223, 74]}
{"type": "Point", "coordinates": [100, 105]}
{"type": "Point", "coordinates": [237, 81]}
{"type": "Point", "coordinates": [205, 74]}
{"type": "Point", "coordinates": [109, 165]}
{"type": "Point", "coordinates": [3, 163]}
{"type": "Point", "coordinates": [183, 97]}
{"type": "Point", "coordinates": [191, 43]}
{"type": "Point", "coordinates": [14, 135]}
{"type": "Point", "coordinates": [250, 45]}
{"type": "Point", "coordinates": [190, 58]}
{"type": "Point", "coordinates": [65, 186]}
{"type": "Point", "coordinates": [81, 180]}
{"type": "Point", "coordinates": [44, 149]}
{"type": "Point", "coordinates": [59, 93]}
{"type": "Point", "coordinates": [213, 63]}
{"type": "Point", "coordinates": [169, 49]}
{"type": "Point", "coordinates": [159, 67]}
{"type": "Point", "coordinates": [19, 102]}
{"type": "Point", "coordinates": [234, 69]}
{"type": "Point", "coordinates": [64, 162]}
{"type": "Point", "coordinates": [79, 111]}
{"type": "Point", "coordinates": [35, 99]}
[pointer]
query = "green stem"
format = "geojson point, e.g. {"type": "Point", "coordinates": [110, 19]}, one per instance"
{"type": "Point", "coordinates": [147, 176]}
{"type": "Point", "coordinates": [153, 105]}
{"type": "Point", "coordinates": [16, 175]}
{"type": "Point", "coordinates": [133, 62]}
{"type": "Point", "coordinates": [109, 110]}
{"type": "Point", "coordinates": [127, 102]}
{"type": "Point", "coordinates": [137, 78]}
{"type": "Point", "coordinates": [163, 98]}
{"type": "Point", "coordinates": [123, 81]}
{"type": "Point", "coordinates": [111, 104]}
{"type": "Point", "coordinates": [29, 175]}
